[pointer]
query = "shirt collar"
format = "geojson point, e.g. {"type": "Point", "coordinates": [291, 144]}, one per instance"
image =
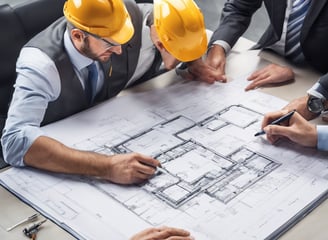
{"type": "Point", "coordinates": [78, 60]}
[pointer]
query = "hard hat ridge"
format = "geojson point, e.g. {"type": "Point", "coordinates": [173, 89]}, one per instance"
{"type": "Point", "coordinates": [104, 18]}
{"type": "Point", "coordinates": [181, 29]}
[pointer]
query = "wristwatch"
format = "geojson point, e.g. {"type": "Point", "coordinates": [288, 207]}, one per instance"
{"type": "Point", "coordinates": [316, 105]}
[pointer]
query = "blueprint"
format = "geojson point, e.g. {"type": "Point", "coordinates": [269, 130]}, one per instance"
{"type": "Point", "coordinates": [217, 180]}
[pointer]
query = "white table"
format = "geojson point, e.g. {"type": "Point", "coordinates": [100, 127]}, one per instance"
{"type": "Point", "coordinates": [314, 226]}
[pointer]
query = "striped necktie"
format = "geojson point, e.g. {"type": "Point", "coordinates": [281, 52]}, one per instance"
{"type": "Point", "coordinates": [91, 83]}
{"type": "Point", "coordinates": [293, 49]}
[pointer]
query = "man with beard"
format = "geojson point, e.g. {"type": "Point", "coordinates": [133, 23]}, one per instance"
{"type": "Point", "coordinates": [86, 57]}
{"type": "Point", "coordinates": [52, 83]}
{"type": "Point", "coordinates": [90, 55]}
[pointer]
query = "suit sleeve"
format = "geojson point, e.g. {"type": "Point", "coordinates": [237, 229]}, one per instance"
{"type": "Point", "coordinates": [235, 19]}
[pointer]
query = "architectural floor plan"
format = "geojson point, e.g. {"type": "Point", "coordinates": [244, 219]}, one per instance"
{"type": "Point", "coordinates": [199, 157]}
{"type": "Point", "coordinates": [216, 179]}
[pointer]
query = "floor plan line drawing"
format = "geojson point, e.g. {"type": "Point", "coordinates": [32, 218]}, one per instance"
{"type": "Point", "coordinates": [215, 176]}
{"type": "Point", "coordinates": [190, 167]}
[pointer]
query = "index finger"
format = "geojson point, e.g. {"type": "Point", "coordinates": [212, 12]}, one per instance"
{"type": "Point", "coordinates": [148, 161]}
{"type": "Point", "coordinates": [166, 232]}
{"type": "Point", "coordinates": [271, 116]}
{"type": "Point", "coordinates": [254, 75]}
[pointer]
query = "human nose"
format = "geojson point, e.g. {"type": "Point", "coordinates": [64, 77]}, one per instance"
{"type": "Point", "coordinates": [116, 49]}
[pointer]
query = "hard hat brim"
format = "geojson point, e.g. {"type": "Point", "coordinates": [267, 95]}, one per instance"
{"type": "Point", "coordinates": [114, 21]}
{"type": "Point", "coordinates": [124, 34]}
{"type": "Point", "coordinates": [180, 27]}
{"type": "Point", "coordinates": [190, 51]}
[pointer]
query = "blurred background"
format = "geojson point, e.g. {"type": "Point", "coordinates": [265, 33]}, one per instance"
{"type": "Point", "coordinates": [212, 12]}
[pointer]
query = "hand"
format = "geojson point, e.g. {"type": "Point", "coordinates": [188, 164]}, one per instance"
{"type": "Point", "coordinates": [210, 70]}
{"type": "Point", "coordinates": [298, 129]}
{"type": "Point", "coordinates": [216, 58]}
{"type": "Point", "coordinates": [163, 233]}
{"type": "Point", "coordinates": [130, 168]}
{"type": "Point", "coordinates": [270, 74]}
{"type": "Point", "coordinates": [300, 104]}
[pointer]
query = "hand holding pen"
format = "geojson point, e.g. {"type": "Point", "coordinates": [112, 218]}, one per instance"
{"type": "Point", "coordinates": [277, 121]}
{"type": "Point", "coordinates": [298, 129]}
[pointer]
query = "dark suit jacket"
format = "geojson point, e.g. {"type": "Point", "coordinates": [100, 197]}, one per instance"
{"type": "Point", "coordinates": [236, 17]}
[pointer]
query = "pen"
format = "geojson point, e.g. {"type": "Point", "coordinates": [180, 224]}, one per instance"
{"type": "Point", "coordinates": [29, 219]}
{"type": "Point", "coordinates": [161, 169]}
{"type": "Point", "coordinates": [277, 121]}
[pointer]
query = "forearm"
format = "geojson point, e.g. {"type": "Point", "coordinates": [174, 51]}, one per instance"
{"type": "Point", "coordinates": [300, 104]}
{"type": "Point", "coordinates": [235, 19]}
{"type": "Point", "coordinates": [48, 154]}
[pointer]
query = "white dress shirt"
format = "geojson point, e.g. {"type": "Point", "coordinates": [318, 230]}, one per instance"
{"type": "Point", "coordinates": [38, 83]}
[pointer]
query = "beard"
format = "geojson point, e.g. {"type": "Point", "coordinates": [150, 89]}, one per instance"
{"type": "Point", "coordinates": [86, 50]}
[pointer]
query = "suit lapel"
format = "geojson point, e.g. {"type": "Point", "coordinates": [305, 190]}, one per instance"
{"type": "Point", "coordinates": [124, 65]}
{"type": "Point", "coordinates": [134, 45]}
{"type": "Point", "coordinates": [277, 11]}
{"type": "Point", "coordinates": [313, 12]}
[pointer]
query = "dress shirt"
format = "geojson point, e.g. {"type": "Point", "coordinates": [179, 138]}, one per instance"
{"type": "Point", "coordinates": [322, 143]}
{"type": "Point", "coordinates": [313, 91]}
{"type": "Point", "coordinates": [147, 51]}
{"type": "Point", "coordinates": [322, 130]}
{"type": "Point", "coordinates": [37, 84]}
{"type": "Point", "coordinates": [279, 46]}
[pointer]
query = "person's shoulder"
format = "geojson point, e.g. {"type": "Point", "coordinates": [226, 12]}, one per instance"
{"type": "Point", "coordinates": [30, 55]}
{"type": "Point", "coordinates": [133, 8]}
{"type": "Point", "coordinates": [38, 71]}
{"type": "Point", "coordinates": [35, 60]}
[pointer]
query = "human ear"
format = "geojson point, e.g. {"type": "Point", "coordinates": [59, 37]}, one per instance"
{"type": "Point", "coordinates": [77, 35]}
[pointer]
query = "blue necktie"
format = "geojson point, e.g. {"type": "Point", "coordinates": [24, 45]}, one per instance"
{"type": "Point", "coordinates": [293, 49]}
{"type": "Point", "coordinates": [91, 83]}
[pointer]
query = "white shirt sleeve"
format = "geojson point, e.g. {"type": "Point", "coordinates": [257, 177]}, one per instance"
{"type": "Point", "coordinates": [36, 85]}
{"type": "Point", "coordinates": [223, 44]}
{"type": "Point", "coordinates": [322, 137]}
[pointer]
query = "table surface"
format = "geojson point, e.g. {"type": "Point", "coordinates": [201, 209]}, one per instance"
{"type": "Point", "coordinates": [314, 226]}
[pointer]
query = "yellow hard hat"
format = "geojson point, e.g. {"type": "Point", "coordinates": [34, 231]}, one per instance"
{"type": "Point", "coordinates": [181, 29]}
{"type": "Point", "coordinates": [104, 18]}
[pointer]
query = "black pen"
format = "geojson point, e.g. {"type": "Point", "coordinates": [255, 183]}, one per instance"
{"type": "Point", "coordinates": [277, 121]}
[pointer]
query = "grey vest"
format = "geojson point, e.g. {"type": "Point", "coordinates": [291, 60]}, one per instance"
{"type": "Point", "coordinates": [72, 98]}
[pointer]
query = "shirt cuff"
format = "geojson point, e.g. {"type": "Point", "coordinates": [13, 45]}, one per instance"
{"type": "Point", "coordinates": [19, 144]}
{"type": "Point", "coordinates": [313, 91]}
{"type": "Point", "coordinates": [322, 131]}
{"type": "Point", "coordinates": [224, 44]}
